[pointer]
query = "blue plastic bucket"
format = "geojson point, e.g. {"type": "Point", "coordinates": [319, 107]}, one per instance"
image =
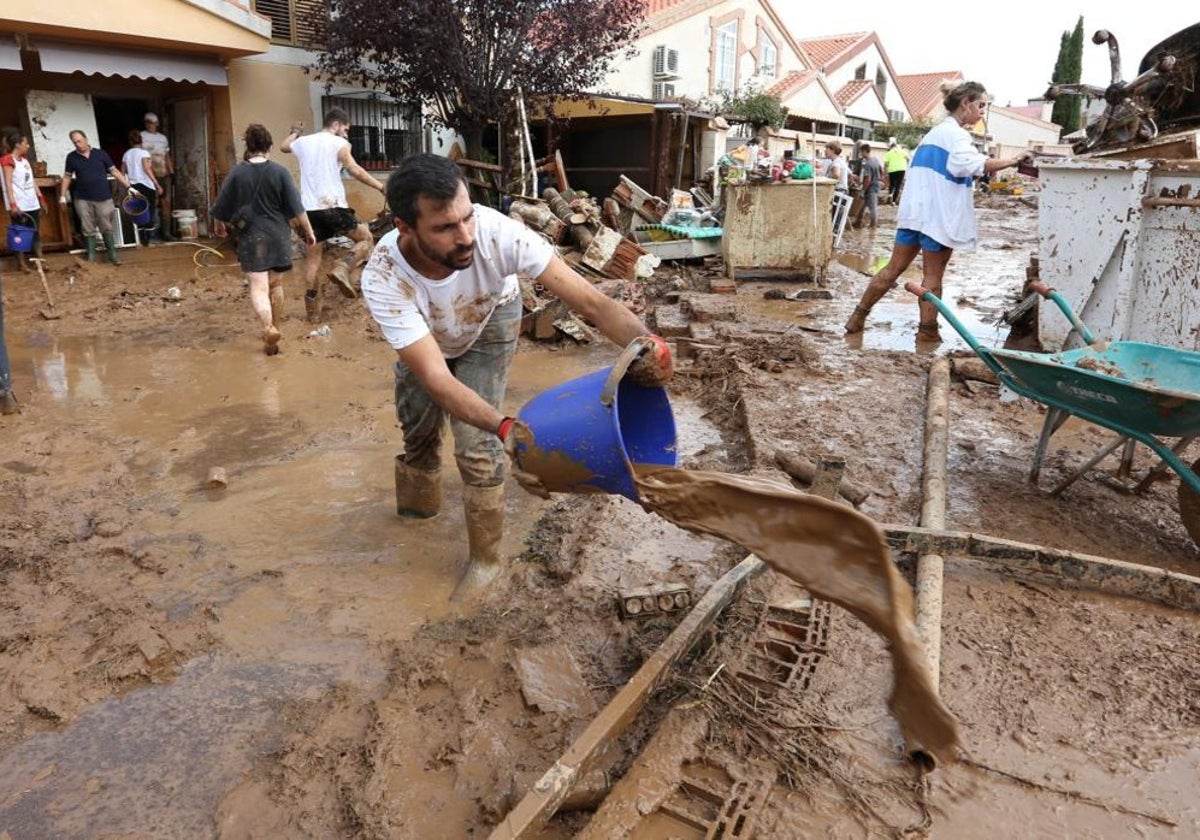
{"type": "Point", "coordinates": [20, 238]}
{"type": "Point", "coordinates": [137, 208]}
{"type": "Point", "coordinates": [588, 432]}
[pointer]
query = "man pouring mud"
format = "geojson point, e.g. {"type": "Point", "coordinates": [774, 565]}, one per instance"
{"type": "Point", "coordinates": [443, 288]}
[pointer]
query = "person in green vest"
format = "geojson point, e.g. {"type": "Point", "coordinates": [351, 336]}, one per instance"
{"type": "Point", "coordinates": [895, 161]}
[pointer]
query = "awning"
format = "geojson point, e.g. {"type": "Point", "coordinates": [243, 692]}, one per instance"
{"type": "Point", "coordinates": [91, 59]}
{"type": "Point", "coordinates": [10, 54]}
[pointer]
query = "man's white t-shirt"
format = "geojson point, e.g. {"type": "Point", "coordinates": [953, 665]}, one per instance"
{"type": "Point", "coordinates": [321, 185]}
{"type": "Point", "coordinates": [159, 147]}
{"type": "Point", "coordinates": [408, 306]}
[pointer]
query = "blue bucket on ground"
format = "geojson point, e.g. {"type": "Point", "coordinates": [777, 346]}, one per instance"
{"type": "Point", "coordinates": [589, 431]}
{"type": "Point", "coordinates": [20, 238]}
{"type": "Point", "coordinates": [137, 208]}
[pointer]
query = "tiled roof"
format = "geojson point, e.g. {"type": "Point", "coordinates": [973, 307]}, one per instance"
{"type": "Point", "coordinates": [831, 52]}
{"type": "Point", "coordinates": [851, 91]}
{"type": "Point", "coordinates": [922, 91]}
{"type": "Point", "coordinates": [790, 83]}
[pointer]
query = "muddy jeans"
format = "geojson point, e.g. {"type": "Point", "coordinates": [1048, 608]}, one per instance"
{"type": "Point", "coordinates": [483, 369]}
{"type": "Point", "coordinates": [5, 370]}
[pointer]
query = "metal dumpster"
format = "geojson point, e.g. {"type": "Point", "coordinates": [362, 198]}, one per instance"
{"type": "Point", "coordinates": [1120, 240]}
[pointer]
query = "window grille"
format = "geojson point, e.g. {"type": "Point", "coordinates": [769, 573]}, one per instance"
{"type": "Point", "coordinates": [382, 131]}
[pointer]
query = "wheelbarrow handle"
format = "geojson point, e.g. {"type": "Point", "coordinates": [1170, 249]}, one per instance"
{"type": "Point", "coordinates": [1058, 300]}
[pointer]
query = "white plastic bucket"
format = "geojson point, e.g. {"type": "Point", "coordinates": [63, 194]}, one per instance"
{"type": "Point", "coordinates": [186, 225]}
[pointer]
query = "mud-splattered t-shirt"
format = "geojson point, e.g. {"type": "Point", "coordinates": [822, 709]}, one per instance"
{"type": "Point", "coordinates": [408, 306]}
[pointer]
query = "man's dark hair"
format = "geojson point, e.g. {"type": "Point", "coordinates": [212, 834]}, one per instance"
{"type": "Point", "coordinates": [336, 115]}
{"type": "Point", "coordinates": [257, 138]}
{"type": "Point", "coordinates": [431, 176]}
{"type": "Point", "coordinates": [135, 138]}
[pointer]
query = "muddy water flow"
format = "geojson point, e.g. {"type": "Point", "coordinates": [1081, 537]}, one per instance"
{"type": "Point", "coordinates": [300, 561]}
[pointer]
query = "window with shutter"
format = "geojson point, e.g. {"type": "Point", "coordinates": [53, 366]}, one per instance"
{"type": "Point", "coordinates": [298, 23]}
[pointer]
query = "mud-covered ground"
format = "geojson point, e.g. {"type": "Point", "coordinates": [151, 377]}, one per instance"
{"type": "Point", "coordinates": [280, 657]}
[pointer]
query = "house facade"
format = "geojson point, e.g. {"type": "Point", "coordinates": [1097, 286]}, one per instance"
{"type": "Point", "coordinates": [208, 68]}
{"type": "Point", "coordinates": [860, 74]}
{"type": "Point", "coordinates": [694, 49]}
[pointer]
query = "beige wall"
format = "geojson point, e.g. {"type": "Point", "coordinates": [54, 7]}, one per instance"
{"type": "Point", "coordinates": [148, 23]}
{"type": "Point", "coordinates": [276, 95]}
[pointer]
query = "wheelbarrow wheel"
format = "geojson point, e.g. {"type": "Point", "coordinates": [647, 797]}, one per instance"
{"type": "Point", "coordinates": [1189, 507]}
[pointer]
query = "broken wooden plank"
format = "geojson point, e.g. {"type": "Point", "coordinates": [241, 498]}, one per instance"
{"type": "Point", "coordinates": [1113, 577]}
{"type": "Point", "coordinates": [533, 811]}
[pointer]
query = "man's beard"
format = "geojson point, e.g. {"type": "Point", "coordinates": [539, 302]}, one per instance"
{"type": "Point", "coordinates": [455, 260]}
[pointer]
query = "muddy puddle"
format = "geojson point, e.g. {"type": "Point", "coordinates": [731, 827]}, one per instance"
{"type": "Point", "coordinates": [302, 567]}
{"type": "Point", "coordinates": [978, 288]}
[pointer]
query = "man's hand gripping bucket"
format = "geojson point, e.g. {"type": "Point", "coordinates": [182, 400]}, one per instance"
{"type": "Point", "coordinates": [590, 432]}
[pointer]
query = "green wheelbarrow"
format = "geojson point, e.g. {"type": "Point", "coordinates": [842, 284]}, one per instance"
{"type": "Point", "coordinates": [1143, 392]}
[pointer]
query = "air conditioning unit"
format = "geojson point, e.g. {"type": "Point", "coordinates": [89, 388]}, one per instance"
{"type": "Point", "coordinates": [663, 90]}
{"type": "Point", "coordinates": [666, 62]}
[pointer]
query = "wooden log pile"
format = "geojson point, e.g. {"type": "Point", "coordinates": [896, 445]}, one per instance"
{"type": "Point", "coordinates": [595, 240]}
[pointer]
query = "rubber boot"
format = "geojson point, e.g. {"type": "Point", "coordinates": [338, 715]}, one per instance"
{"type": "Point", "coordinates": [110, 248]}
{"type": "Point", "coordinates": [276, 305]}
{"type": "Point", "coordinates": [485, 527]}
{"type": "Point", "coordinates": [418, 492]}
{"type": "Point", "coordinates": [8, 402]}
{"type": "Point", "coordinates": [90, 242]}
{"type": "Point", "coordinates": [312, 306]}
{"type": "Point", "coordinates": [870, 297]}
{"type": "Point", "coordinates": [23, 263]}
{"type": "Point", "coordinates": [271, 336]}
{"type": "Point", "coordinates": [927, 332]}
{"type": "Point", "coordinates": [340, 275]}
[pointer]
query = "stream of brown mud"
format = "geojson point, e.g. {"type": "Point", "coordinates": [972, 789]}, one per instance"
{"type": "Point", "coordinates": [833, 551]}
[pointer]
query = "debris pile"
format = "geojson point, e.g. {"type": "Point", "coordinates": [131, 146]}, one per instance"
{"type": "Point", "coordinates": [594, 239]}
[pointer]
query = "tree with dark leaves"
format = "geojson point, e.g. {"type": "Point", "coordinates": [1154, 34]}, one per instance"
{"type": "Point", "coordinates": [466, 59]}
{"type": "Point", "coordinates": [1067, 70]}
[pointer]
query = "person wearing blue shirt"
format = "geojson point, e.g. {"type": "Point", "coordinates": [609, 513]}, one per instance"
{"type": "Point", "coordinates": [88, 169]}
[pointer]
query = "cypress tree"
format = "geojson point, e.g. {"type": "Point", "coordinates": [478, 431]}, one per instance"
{"type": "Point", "coordinates": [1067, 70]}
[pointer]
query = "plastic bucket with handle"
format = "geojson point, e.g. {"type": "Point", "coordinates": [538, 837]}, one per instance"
{"type": "Point", "coordinates": [20, 238]}
{"type": "Point", "coordinates": [137, 208]}
{"type": "Point", "coordinates": [589, 432]}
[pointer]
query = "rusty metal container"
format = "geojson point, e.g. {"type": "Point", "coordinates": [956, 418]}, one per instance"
{"type": "Point", "coordinates": [782, 228]}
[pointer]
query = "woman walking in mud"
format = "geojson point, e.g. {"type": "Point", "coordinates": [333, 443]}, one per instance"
{"type": "Point", "coordinates": [258, 202]}
{"type": "Point", "coordinates": [937, 206]}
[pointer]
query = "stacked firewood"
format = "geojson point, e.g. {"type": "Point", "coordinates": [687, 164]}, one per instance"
{"type": "Point", "coordinates": [596, 242]}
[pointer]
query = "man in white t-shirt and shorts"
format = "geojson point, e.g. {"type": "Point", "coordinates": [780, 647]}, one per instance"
{"type": "Point", "coordinates": [443, 288]}
{"type": "Point", "coordinates": [163, 165]}
{"type": "Point", "coordinates": [322, 155]}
